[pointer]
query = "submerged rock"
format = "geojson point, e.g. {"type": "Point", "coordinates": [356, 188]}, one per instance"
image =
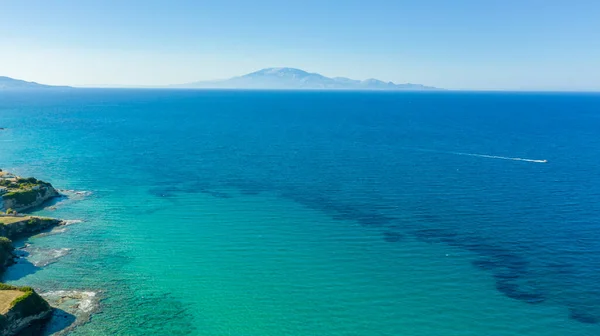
{"type": "Point", "coordinates": [519, 291]}
{"type": "Point", "coordinates": [72, 308]}
{"type": "Point", "coordinates": [392, 237]}
{"type": "Point", "coordinates": [583, 316]}
{"type": "Point", "coordinates": [41, 257]}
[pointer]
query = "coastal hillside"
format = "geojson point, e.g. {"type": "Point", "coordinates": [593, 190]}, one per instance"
{"type": "Point", "coordinates": [17, 226]}
{"type": "Point", "coordinates": [21, 307]}
{"type": "Point", "coordinates": [7, 83]}
{"type": "Point", "coordinates": [291, 78]}
{"type": "Point", "coordinates": [19, 194]}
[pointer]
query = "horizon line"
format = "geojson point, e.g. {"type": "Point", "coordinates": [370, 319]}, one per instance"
{"type": "Point", "coordinates": [167, 87]}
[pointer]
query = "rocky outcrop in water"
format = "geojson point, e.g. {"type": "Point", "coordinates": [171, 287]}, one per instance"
{"type": "Point", "coordinates": [28, 226]}
{"type": "Point", "coordinates": [22, 310]}
{"type": "Point", "coordinates": [21, 307]}
{"type": "Point", "coordinates": [21, 200]}
{"type": "Point", "coordinates": [28, 309]}
{"type": "Point", "coordinates": [24, 227]}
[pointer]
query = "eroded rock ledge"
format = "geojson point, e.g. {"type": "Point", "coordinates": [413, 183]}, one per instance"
{"type": "Point", "coordinates": [20, 194]}
{"type": "Point", "coordinates": [21, 307]}
{"type": "Point", "coordinates": [13, 227]}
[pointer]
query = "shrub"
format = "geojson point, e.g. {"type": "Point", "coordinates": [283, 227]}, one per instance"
{"type": "Point", "coordinates": [6, 249]}
{"type": "Point", "coordinates": [4, 286]}
{"type": "Point", "coordinates": [4, 243]}
{"type": "Point", "coordinates": [31, 180]}
{"type": "Point", "coordinates": [30, 303]}
{"type": "Point", "coordinates": [47, 221]}
{"type": "Point", "coordinates": [22, 197]}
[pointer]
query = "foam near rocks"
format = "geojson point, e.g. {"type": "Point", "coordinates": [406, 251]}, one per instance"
{"type": "Point", "coordinates": [72, 221]}
{"type": "Point", "coordinates": [83, 301]}
{"type": "Point", "coordinates": [67, 196]}
{"type": "Point", "coordinates": [41, 257]}
{"type": "Point", "coordinates": [71, 192]}
{"type": "Point", "coordinates": [61, 228]}
{"type": "Point", "coordinates": [73, 308]}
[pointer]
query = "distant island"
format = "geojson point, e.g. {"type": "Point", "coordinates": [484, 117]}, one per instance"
{"type": "Point", "coordinates": [291, 78]}
{"type": "Point", "coordinates": [270, 78]}
{"type": "Point", "coordinates": [7, 83]}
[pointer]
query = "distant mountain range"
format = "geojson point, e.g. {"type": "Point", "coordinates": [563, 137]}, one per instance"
{"type": "Point", "coordinates": [17, 84]}
{"type": "Point", "coordinates": [290, 78]}
{"type": "Point", "coordinates": [271, 78]}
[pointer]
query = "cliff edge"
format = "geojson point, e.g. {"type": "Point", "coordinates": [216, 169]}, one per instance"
{"type": "Point", "coordinates": [20, 194]}
{"type": "Point", "coordinates": [20, 307]}
{"type": "Point", "coordinates": [18, 226]}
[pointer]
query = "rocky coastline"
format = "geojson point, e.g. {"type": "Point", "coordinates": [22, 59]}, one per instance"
{"type": "Point", "coordinates": [26, 310]}
{"type": "Point", "coordinates": [27, 226]}
{"type": "Point", "coordinates": [21, 307]}
{"type": "Point", "coordinates": [21, 194]}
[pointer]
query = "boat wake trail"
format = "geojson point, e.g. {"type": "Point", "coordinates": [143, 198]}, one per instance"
{"type": "Point", "coordinates": [499, 157]}
{"type": "Point", "coordinates": [477, 155]}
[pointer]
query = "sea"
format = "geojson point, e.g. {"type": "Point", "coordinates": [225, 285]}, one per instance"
{"type": "Point", "coordinates": [311, 213]}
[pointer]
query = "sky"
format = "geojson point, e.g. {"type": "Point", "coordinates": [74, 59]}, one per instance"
{"type": "Point", "coordinates": [460, 44]}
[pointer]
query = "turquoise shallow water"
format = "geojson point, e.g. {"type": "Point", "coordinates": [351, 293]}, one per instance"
{"type": "Point", "coordinates": [313, 213]}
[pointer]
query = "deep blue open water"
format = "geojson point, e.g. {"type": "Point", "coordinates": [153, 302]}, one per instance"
{"type": "Point", "coordinates": [316, 213]}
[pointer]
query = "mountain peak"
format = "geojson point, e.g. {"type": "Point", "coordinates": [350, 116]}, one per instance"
{"type": "Point", "coordinates": [293, 78]}
{"type": "Point", "coordinates": [279, 72]}
{"type": "Point", "coordinates": [282, 69]}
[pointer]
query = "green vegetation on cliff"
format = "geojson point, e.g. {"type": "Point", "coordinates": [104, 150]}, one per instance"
{"type": "Point", "coordinates": [21, 306]}
{"type": "Point", "coordinates": [41, 222]}
{"type": "Point", "coordinates": [23, 183]}
{"type": "Point", "coordinates": [22, 196]}
{"type": "Point", "coordinates": [24, 193]}
{"type": "Point", "coordinates": [30, 304]}
{"type": "Point", "coordinates": [6, 250]}
{"type": "Point", "coordinates": [14, 227]}
{"type": "Point", "coordinates": [5, 245]}
{"type": "Point", "coordinates": [23, 190]}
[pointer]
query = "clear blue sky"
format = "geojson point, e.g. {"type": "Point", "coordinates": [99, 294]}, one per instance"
{"type": "Point", "coordinates": [484, 44]}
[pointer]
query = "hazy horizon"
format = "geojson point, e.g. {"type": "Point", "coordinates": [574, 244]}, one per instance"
{"type": "Point", "coordinates": [183, 86]}
{"type": "Point", "coordinates": [533, 46]}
